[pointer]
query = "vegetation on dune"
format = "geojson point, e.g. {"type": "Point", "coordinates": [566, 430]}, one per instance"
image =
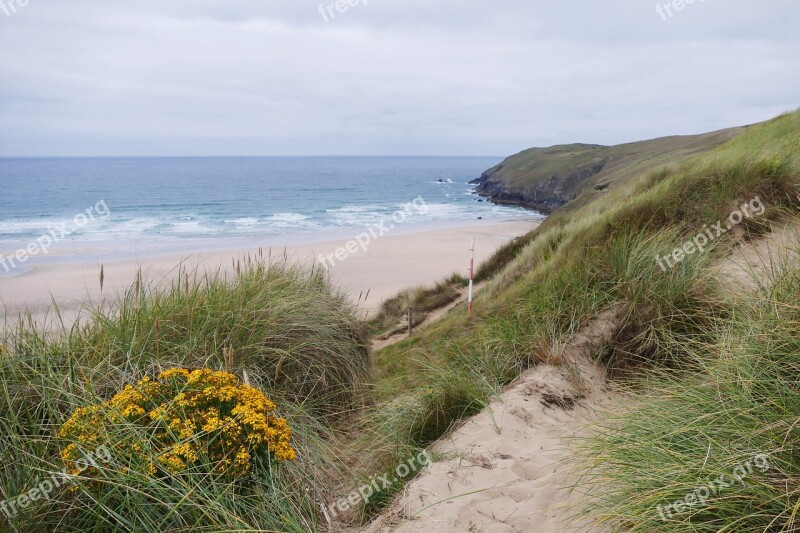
{"type": "Point", "coordinates": [542, 288]}
{"type": "Point", "coordinates": [712, 446]}
{"type": "Point", "coordinates": [392, 316]}
{"type": "Point", "coordinates": [197, 419]}
{"type": "Point", "coordinates": [718, 372]}
{"type": "Point", "coordinates": [281, 327]}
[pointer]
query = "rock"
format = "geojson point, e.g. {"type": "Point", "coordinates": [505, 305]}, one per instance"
{"type": "Point", "coordinates": [544, 194]}
{"type": "Point", "coordinates": [545, 179]}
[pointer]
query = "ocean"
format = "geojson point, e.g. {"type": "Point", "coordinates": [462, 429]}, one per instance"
{"type": "Point", "coordinates": [182, 203]}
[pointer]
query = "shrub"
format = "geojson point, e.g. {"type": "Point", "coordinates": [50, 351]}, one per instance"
{"type": "Point", "coordinates": [197, 418]}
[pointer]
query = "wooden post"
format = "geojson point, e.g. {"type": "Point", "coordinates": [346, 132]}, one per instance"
{"type": "Point", "coordinates": [471, 274]}
{"type": "Point", "coordinates": [410, 320]}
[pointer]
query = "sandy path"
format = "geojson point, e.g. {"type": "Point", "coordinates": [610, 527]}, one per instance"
{"type": "Point", "coordinates": [754, 260]}
{"type": "Point", "coordinates": [504, 470]}
{"type": "Point", "coordinates": [432, 317]}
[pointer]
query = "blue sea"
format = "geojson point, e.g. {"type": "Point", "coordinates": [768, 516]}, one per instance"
{"type": "Point", "coordinates": [176, 202]}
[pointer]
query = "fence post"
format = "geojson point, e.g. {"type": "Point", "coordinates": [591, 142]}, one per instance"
{"type": "Point", "coordinates": [471, 275]}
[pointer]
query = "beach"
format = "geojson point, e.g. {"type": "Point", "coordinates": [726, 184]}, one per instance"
{"type": "Point", "coordinates": [369, 274]}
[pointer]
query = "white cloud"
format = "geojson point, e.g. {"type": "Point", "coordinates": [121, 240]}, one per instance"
{"type": "Point", "coordinates": [390, 77]}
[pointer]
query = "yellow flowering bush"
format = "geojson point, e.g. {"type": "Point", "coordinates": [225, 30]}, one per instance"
{"type": "Point", "coordinates": [190, 418]}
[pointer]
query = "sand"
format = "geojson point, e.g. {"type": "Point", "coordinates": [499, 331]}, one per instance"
{"type": "Point", "coordinates": [752, 263]}
{"type": "Point", "coordinates": [511, 468]}
{"type": "Point", "coordinates": [505, 470]}
{"type": "Point", "coordinates": [389, 264]}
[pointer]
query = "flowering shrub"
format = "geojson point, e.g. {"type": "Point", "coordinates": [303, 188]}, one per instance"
{"type": "Point", "coordinates": [189, 418]}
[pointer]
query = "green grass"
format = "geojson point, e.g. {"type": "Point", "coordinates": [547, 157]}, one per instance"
{"type": "Point", "coordinates": [294, 336]}
{"type": "Point", "coordinates": [579, 262]}
{"type": "Point", "coordinates": [735, 400]}
{"type": "Point", "coordinates": [355, 416]}
{"type": "Point", "coordinates": [587, 172]}
{"type": "Point", "coordinates": [392, 315]}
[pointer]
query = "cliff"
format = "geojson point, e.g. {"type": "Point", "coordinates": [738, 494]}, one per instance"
{"type": "Point", "coordinates": [545, 179]}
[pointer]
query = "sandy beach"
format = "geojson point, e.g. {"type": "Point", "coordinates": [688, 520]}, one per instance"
{"type": "Point", "coordinates": [386, 265]}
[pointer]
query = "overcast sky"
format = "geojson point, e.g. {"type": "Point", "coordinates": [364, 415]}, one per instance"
{"type": "Point", "coordinates": [385, 77]}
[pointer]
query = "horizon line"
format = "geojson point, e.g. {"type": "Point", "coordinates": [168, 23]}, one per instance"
{"type": "Point", "coordinates": [223, 156]}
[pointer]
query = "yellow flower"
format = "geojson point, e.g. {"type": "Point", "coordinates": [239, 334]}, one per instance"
{"type": "Point", "coordinates": [199, 417]}
{"type": "Point", "coordinates": [173, 372]}
{"type": "Point", "coordinates": [158, 413]}
{"type": "Point", "coordinates": [67, 453]}
{"type": "Point", "coordinates": [132, 410]}
{"type": "Point", "coordinates": [172, 462]}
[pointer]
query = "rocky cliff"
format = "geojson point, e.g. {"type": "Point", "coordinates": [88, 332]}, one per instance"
{"type": "Point", "coordinates": [546, 179]}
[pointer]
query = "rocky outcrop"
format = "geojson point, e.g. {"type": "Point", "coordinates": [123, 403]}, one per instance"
{"type": "Point", "coordinates": [543, 195]}
{"type": "Point", "coordinates": [546, 179]}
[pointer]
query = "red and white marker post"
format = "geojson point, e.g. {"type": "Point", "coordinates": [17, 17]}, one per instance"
{"type": "Point", "coordinates": [471, 275]}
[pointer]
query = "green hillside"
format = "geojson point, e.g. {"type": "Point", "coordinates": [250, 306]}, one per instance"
{"type": "Point", "coordinates": [547, 178]}
{"type": "Point", "coordinates": [712, 372]}
{"type": "Point", "coordinates": [680, 326]}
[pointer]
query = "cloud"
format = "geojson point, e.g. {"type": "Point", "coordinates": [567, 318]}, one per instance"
{"type": "Point", "coordinates": [248, 77]}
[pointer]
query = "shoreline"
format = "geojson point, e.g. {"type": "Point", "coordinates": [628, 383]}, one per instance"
{"type": "Point", "coordinates": [380, 269]}
{"type": "Point", "coordinates": [88, 251]}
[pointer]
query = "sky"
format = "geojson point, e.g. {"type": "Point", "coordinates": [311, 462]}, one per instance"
{"type": "Point", "coordinates": [384, 77]}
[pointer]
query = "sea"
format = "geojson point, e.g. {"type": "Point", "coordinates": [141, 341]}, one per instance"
{"type": "Point", "coordinates": [119, 205]}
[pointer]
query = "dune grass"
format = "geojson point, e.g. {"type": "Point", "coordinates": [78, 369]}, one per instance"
{"type": "Point", "coordinates": [580, 262]}
{"type": "Point", "coordinates": [712, 446]}
{"type": "Point", "coordinates": [392, 317]}
{"type": "Point", "coordinates": [297, 338]}
{"type": "Point", "coordinates": [282, 326]}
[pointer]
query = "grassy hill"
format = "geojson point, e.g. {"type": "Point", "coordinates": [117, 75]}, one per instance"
{"type": "Point", "coordinates": [680, 326]}
{"type": "Point", "coordinates": [714, 374]}
{"type": "Point", "coordinates": [548, 178]}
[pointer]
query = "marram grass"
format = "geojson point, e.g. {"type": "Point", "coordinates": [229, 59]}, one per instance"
{"type": "Point", "coordinates": [713, 448]}
{"type": "Point", "coordinates": [281, 327]}
{"type": "Point", "coordinates": [725, 392]}
{"type": "Point", "coordinates": [578, 263]}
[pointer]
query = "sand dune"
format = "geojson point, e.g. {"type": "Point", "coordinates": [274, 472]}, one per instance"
{"type": "Point", "coordinates": [505, 469]}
